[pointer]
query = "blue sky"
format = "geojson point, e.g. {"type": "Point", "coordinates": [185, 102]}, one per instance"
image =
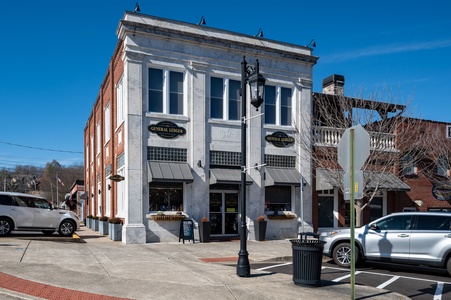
{"type": "Point", "coordinates": [54, 55]}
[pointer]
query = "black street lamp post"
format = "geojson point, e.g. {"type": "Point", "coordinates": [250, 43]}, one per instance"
{"type": "Point", "coordinates": [257, 84]}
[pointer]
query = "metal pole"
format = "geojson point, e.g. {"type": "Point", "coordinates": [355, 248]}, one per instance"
{"type": "Point", "coordinates": [243, 268]}
{"type": "Point", "coordinates": [352, 205]}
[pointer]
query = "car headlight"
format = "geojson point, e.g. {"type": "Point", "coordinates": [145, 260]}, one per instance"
{"type": "Point", "coordinates": [328, 233]}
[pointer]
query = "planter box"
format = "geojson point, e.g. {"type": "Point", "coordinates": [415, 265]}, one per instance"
{"type": "Point", "coordinates": [88, 222]}
{"type": "Point", "coordinates": [115, 231]}
{"type": "Point", "coordinates": [260, 230]}
{"type": "Point", "coordinates": [95, 224]}
{"type": "Point", "coordinates": [204, 231]}
{"type": "Point", "coordinates": [103, 227]}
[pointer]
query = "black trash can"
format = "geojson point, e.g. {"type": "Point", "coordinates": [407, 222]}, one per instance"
{"type": "Point", "coordinates": [307, 260]}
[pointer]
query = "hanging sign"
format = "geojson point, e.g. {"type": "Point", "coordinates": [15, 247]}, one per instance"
{"type": "Point", "coordinates": [280, 139]}
{"type": "Point", "coordinates": [442, 191]}
{"type": "Point", "coordinates": [166, 129]}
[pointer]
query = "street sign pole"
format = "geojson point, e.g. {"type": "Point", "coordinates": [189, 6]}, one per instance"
{"type": "Point", "coordinates": [353, 183]}
{"type": "Point", "coordinates": [352, 204]}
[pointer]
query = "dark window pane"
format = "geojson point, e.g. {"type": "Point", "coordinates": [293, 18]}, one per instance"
{"type": "Point", "coordinates": [216, 98]}
{"type": "Point", "coordinates": [278, 198]}
{"type": "Point", "coordinates": [433, 223]}
{"type": "Point", "coordinates": [234, 100]}
{"type": "Point", "coordinates": [155, 90]}
{"type": "Point", "coordinates": [395, 223]}
{"type": "Point", "coordinates": [270, 104]}
{"type": "Point", "coordinates": [164, 197]}
{"type": "Point", "coordinates": [285, 108]}
{"type": "Point", "coordinates": [176, 93]}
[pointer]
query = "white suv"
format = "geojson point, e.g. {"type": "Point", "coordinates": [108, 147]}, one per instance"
{"type": "Point", "coordinates": [32, 213]}
{"type": "Point", "coordinates": [415, 238]}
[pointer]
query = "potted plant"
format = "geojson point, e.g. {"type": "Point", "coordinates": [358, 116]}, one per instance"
{"type": "Point", "coordinates": [260, 228]}
{"type": "Point", "coordinates": [88, 221]}
{"type": "Point", "coordinates": [115, 229]}
{"type": "Point", "coordinates": [204, 230]}
{"type": "Point", "coordinates": [103, 225]}
{"type": "Point", "coordinates": [95, 223]}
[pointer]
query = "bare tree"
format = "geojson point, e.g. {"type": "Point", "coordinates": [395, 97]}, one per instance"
{"type": "Point", "coordinates": [390, 142]}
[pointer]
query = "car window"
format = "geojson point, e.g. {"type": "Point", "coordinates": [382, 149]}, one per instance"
{"type": "Point", "coordinates": [6, 200]}
{"type": "Point", "coordinates": [24, 201]}
{"type": "Point", "coordinates": [394, 223]}
{"type": "Point", "coordinates": [433, 222]}
{"type": "Point", "coordinates": [41, 203]}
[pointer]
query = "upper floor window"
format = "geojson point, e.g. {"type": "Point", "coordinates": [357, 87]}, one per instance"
{"type": "Point", "coordinates": [278, 102]}
{"type": "Point", "coordinates": [225, 99]}
{"type": "Point", "coordinates": [442, 166]}
{"type": "Point", "coordinates": [166, 92]}
{"type": "Point", "coordinates": [107, 122]}
{"type": "Point", "coordinates": [119, 102]}
{"type": "Point", "coordinates": [408, 165]}
{"type": "Point", "coordinates": [98, 139]}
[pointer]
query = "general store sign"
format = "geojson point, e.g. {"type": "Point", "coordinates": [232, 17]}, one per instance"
{"type": "Point", "coordinates": [167, 129]}
{"type": "Point", "coordinates": [280, 139]}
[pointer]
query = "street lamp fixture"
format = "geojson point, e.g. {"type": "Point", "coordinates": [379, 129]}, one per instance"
{"type": "Point", "coordinates": [257, 86]}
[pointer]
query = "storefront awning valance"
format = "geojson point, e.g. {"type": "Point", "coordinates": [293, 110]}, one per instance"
{"type": "Point", "coordinates": [169, 172]}
{"type": "Point", "coordinates": [227, 176]}
{"type": "Point", "coordinates": [328, 179]}
{"type": "Point", "coordinates": [280, 176]}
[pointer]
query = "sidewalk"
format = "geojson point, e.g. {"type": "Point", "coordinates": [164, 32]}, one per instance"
{"type": "Point", "coordinates": [94, 267]}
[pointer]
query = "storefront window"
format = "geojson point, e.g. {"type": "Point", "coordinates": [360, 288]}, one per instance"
{"type": "Point", "coordinates": [166, 197]}
{"type": "Point", "coordinates": [278, 198]}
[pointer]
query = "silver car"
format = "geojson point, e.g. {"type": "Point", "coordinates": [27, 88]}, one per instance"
{"type": "Point", "coordinates": [415, 238]}
{"type": "Point", "coordinates": [33, 213]}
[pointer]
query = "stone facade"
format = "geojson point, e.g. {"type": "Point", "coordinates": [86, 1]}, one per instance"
{"type": "Point", "coordinates": [207, 145]}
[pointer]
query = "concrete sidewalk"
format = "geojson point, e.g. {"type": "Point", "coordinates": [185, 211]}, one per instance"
{"type": "Point", "coordinates": [94, 267]}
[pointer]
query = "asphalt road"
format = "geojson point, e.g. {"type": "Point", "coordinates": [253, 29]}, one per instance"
{"type": "Point", "coordinates": [414, 282]}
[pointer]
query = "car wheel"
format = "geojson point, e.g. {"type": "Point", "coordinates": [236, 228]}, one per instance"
{"type": "Point", "coordinates": [48, 232]}
{"type": "Point", "coordinates": [67, 228]}
{"type": "Point", "coordinates": [6, 227]}
{"type": "Point", "coordinates": [342, 255]}
{"type": "Point", "coordinates": [448, 266]}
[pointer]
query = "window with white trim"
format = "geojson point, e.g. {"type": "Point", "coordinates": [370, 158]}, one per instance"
{"type": "Point", "coordinates": [442, 166]}
{"type": "Point", "coordinates": [278, 103]}
{"type": "Point", "coordinates": [408, 165]}
{"type": "Point", "coordinates": [225, 99]}
{"type": "Point", "coordinates": [107, 125]}
{"type": "Point", "coordinates": [98, 139]}
{"type": "Point", "coordinates": [120, 102]}
{"type": "Point", "coordinates": [166, 92]}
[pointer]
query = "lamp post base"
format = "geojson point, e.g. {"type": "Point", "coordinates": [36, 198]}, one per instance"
{"type": "Point", "coordinates": [243, 268]}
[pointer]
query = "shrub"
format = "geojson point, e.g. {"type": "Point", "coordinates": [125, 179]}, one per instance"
{"type": "Point", "coordinates": [115, 220]}
{"type": "Point", "coordinates": [204, 219]}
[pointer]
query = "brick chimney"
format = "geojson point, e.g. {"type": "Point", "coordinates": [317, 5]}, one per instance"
{"type": "Point", "coordinates": [334, 85]}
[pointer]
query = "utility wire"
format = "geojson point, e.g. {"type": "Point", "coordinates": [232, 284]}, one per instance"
{"type": "Point", "coordinates": [43, 149]}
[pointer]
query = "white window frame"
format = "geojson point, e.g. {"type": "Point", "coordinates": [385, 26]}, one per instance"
{"type": "Point", "coordinates": [278, 104]}
{"type": "Point", "coordinates": [107, 123]}
{"type": "Point", "coordinates": [166, 90]}
{"type": "Point", "coordinates": [226, 99]}
{"type": "Point", "coordinates": [98, 139]}
{"type": "Point", "coordinates": [120, 102]}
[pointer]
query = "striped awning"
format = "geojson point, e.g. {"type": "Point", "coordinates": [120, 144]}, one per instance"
{"type": "Point", "coordinates": [328, 179]}
{"type": "Point", "coordinates": [227, 176]}
{"type": "Point", "coordinates": [280, 176]}
{"type": "Point", "coordinates": [160, 171]}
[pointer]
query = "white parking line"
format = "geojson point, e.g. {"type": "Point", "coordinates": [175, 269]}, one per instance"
{"type": "Point", "coordinates": [344, 277]}
{"type": "Point", "coordinates": [275, 266]}
{"type": "Point", "coordinates": [391, 280]}
{"type": "Point", "coordinates": [438, 291]}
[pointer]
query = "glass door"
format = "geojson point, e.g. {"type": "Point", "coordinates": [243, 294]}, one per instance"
{"type": "Point", "coordinates": [224, 212]}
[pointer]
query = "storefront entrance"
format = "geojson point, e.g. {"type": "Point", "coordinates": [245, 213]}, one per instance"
{"type": "Point", "coordinates": [224, 212]}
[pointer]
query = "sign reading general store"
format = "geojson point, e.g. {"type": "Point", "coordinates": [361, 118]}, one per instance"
{"type": "Point", "coordinates": [280, 139]}
{"type": "Point", "coordinates": [167, 129]}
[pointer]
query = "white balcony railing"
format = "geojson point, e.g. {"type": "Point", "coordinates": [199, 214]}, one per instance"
{"type": "Point", "coordinates": [330, 137]}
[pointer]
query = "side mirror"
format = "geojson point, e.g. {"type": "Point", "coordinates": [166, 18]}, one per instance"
{"type": "Point", "coordinates": [374, 227]}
